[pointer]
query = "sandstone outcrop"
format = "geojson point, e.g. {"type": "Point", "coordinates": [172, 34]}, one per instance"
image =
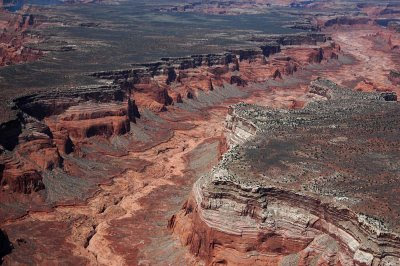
{"type": "Point", "coordinates": [14, 38]}
{"type": "Point", "coordinates": [65, 143]}
{"type": "Point", "coordinates": [90, 175]}
{"type": "Point", "coordinates": [55, 131]}
{"type": "Point", "coordinates": [41, 150]}
{"type": "Point", "coordinates": [300, 187]}
{"type": "Point", "coordinates": [347, 21]}
{"type": "Point", "coordinates": [157, 85]}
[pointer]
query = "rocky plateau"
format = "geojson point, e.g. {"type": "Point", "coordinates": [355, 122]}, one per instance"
{"type": "Point", "coordinates": [283, 152]}
{"type": "Point", "coordinates": [287, 192]}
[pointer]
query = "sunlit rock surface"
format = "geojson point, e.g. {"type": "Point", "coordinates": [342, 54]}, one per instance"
{"type": "Point", "coordinates": [304, 187]}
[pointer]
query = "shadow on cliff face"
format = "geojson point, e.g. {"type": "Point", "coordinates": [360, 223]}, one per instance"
{"type": "Point", "coordinates": [10, 132]}
{"type": "Point", "coordinates": [5, 246]}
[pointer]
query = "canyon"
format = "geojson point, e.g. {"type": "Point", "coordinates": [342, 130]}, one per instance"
{"type": "Point", "coordinates": [282, 152]}
{"type": "Point", "coordinates": [287, 192]}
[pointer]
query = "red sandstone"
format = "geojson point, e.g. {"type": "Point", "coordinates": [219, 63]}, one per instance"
{"type": "Point", "coordinates": [107, 228]}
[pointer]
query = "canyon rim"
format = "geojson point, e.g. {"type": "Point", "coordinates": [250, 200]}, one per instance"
{"type": "Point", "coordinates": [257, 132]}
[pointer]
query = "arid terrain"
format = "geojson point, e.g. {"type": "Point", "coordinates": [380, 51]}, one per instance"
{"type": "Point", "coordinates": [200, 133]}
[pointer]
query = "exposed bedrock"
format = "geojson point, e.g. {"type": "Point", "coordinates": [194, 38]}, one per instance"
{"type": "Point", "coordinates": [239, 129]}
{"type": "Point", "coordinates": [14, 38]}
{"type": "Point", "coordinates": [170, 69]}
{"type": "Point", "coordinates": [300, 187]}
{"type": "Point", "coordinates": [157, 85]}
{"type": "Point", "coordinates": [42, 105]}
{"type": "Point", "coordinates": [57, 148]}
{"type": "Point", "coordinates": [345, 20]}
{"type": "Point", "coordinates": [90, 119]}
{"type": "Point", "coordinates": [51, 125]}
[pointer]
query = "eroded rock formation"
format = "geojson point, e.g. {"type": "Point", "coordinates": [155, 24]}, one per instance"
{"type": "Point", "coordinates": [15, 39]}
{"type": "Point", "coordinates": [157, 85]}
{"type": "Point", "coordinates": [302, 187]}
{"type": "Point", "coordinates": [63, 145]}
{"type": "Point", "coordinates": [41, 149]}
{"type": "Point", "coordinates": [63, 137]}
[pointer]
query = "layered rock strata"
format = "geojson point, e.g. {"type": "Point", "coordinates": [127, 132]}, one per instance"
{"type": "Point", "coordinates": [171, 80]}
{"type": "Point", "coordinates": [52, 152]}
{"type": "Point", "coordinates": [64, 145]}
{"type": "Point", "coordinates": [15, 39]}
{"type": "Point", "coordinates": [54, 132]}
{"type": "Point", "coordinates": [313, 186]}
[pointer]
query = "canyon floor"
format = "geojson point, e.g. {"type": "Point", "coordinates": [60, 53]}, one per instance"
{"type": "Point", "coordinates": [113, 173]}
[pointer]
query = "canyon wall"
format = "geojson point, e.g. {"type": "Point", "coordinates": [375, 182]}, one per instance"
{"type": "Point", "coordinates": [15, 38]}
{"type": "Point", "coordinates": [289, 193]}
{"type": "Point", "coordinates": [63, 137]}
{"type": "Point", "coordinates": [159, 84]}
{"type": "Point", "coordinates": [306, 186]}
